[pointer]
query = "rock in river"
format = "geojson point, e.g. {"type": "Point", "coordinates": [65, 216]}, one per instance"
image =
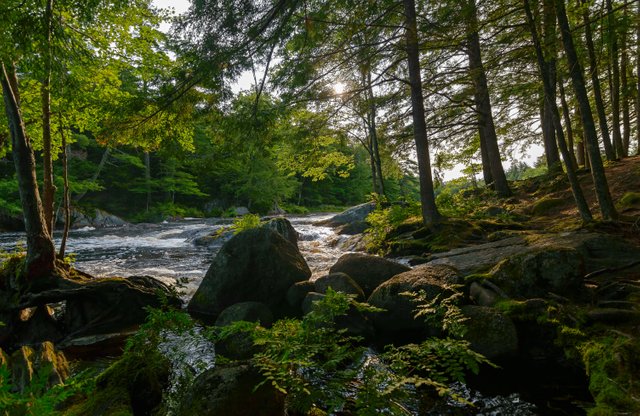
{"type": "Point", "coordinates": [255, 265]}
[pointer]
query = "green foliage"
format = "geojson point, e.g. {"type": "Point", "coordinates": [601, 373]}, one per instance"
{"type": "Point", "coordinates": [612, 364]}
{"type": "Point", "coordinates": [10, 201]}
{"type": "Point", "coordinates": [309, 359]}
{"type": "Point", "coordinates": [458, 199]}
{"type": "Point", "coordinates": [245, 222]}
{"type": "Point", "coordinates": [443, 310]}
{"type": "Point", "coordinates": [382, 221]}
{"type": "Point", "coordinates": [435, 362]}
{"type": "Point", "coordinates": [37, 398]}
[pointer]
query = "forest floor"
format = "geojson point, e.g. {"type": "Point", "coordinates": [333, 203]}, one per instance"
{"type": "Point", "coordinates": [549, 203]}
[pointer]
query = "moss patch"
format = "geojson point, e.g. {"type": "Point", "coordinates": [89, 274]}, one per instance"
{"type": "Point", "coordinates": [630, 200]}
{"type": "Point", "coordinates": [132, 385]}
{"type": "Point", "coordinates": [613, 364]}
{"type": "Point", "coordinates": [544, 205]}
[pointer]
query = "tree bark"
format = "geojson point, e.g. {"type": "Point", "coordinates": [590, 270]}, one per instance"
{"type": "Point", "coordinates": [554, 165]}
{"type": "Point", "coordinates": [48, 188]}
{"type": "Point", "coordinates": [40, 260]}
{"type": "Point", "coordinates": [567, 120]}
{"type": "Point", "coordinates": [67, 195]}
{"type": "Point", "coordinates": [597, 92]}
{"type": "Point", "coordinates": [638, 79]}
{"type": "Point", "coordinates": [625, 97]}
{"type": "Point", "coordinates": [483, 103]}
{"type": "Point", "coordinates": [603, 195]}
{"type": "Point", "coordinates": [615, 82]}
{"type": "Point", "coordinates": [430, 214]}
{"type": "Point", "coordinates": [373, 132]}
{"type": "Point", "coordinates": [544, 67]}
{"type": "Point", "coordinates": [486, 164]}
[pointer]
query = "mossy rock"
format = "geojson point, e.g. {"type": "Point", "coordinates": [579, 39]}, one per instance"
{"type": "Point", "coordinates": [630, 200]}
{"type": "Point", "coordinates": [612, 364]}
{"type": "Point", "coordinates": [536, 272]}
{"type": "Point", "coordinates": [133, 385]}
{"type": "Point", "coordinates": [230, 390]}
{"type": "Point", "coordinates": [546, 204]}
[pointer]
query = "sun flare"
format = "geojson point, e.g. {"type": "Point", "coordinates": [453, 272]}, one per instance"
{"type": "Point", "coordinates": [338, 87]}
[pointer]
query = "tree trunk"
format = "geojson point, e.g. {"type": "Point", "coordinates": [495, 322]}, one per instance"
{"type": "Point", "coordinates": [624, 85]}
{"type": "Point", "coordinates": [554, 165]}
{"type": "Point", "coordinates": [48, 188]}
{"type": "Point", "coordinates": [545, 67]}
{"type": "Point", "coordinates": [41, 255]}
{"type": "Point", "coordinates": [147, 178]}
{"type": "Point", "coordinates": [638, 79]}
{"type": "Point", "coordinates": [373, 132]}
{"type": "Point", "coordinates": [67, 194]}
{"type": "Point", "coordinates": [430, 214]}
{"type": "Point", "coordinates": [615, 82]}
{"type": "Point", "coordinates": [486, 164]}
{"type": "Point", "coordinates": [483, 102]}
{"type": "Point", "coordinates": [103, 161]}
{"type": "Point", "coordinates": [597, 169]}
{"type": "Point", "coordinates": [567, 120]}
{"type": "Point", "coordinates": [597, 92]}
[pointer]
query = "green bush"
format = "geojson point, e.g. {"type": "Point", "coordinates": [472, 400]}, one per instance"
{"type": "Point", "coordinates": [246, 222]}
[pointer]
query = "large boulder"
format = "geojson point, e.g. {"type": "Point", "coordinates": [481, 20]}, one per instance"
{"type": "Point", "coordinates": [230, 390]}
{"type": "Point", "coordinates": [398, 317]}
{"type": "Point", "coordinates": [366, 270]}
{"type": "Point", "coordinates": [489, 332]}
{"type": "Point", "coordinates": [340, 282]}
{"type": "Point", "coordinates": [283, 227]}
{"type": "Point", "coordinates": [357, 214]}
{"type": "Point", "coordinates": [536, 272]}
{"type": "Point", "coordinates": [255, 265]}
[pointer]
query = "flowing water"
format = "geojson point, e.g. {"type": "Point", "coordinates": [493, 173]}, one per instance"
{"type": "Point", "coordinates": [168, 252]}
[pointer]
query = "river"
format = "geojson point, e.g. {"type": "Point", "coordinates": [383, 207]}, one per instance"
{"type": "Point", "coordinates": [167, 251]}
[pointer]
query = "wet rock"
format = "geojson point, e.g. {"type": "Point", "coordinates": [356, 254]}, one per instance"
{"type": "Point", "coordinates": [366, 270]}
{"type": "Point", "coordinates": [283, 227]}
{"type": "Point", "coordinates": [229, 390]}
{"type": "Point", "coordinates": [240, 211]}
{"type": "Point", "coordinates": [103, 219]}
{"type": "Point", "coordinates": [240, 346]}
{"type": "Point", "coordinates": [537, 272]}
{"type": "Point", "coordinates": [352, 228]}
{"type": "Point", "coordinates": [489, 332]}
{"type": "Point", "coordinates": [340, 282]}
{"type": "Point", "coordinates": [99, 219]}
{"type": "Point", "coordinates": [297, 292]}
{"type": "Point", "coordinates": [255, 265]}
{"type": "Point", "coordinates": [246, 311]}
{"type": "Point", "coordinates": [399, 312]}
{"type": "Point", "coordinates": [484, 295]}
{"type": "Point", "coordinates": [357, 214]}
